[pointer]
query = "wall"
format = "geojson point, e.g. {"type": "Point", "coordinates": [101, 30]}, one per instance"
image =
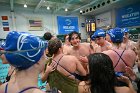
{"type": "Point", "coordinates": [111, 19]}
{"type": "Point", "coordinates": [23, 14]}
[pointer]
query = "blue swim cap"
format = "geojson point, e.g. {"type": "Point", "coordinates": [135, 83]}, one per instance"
{"type": "Point", "coordinates": [109, 31]}
{"type": "Point", "coordinates": [116, 35]}
{"type": "Point", "coordinates": [92, 37]}
{"type": "Point", "coordinates": [23, 49]}
{"type": "Point", "coordinates": [126, 30]}
{"type": "Point", "coordinates": [99, 33]}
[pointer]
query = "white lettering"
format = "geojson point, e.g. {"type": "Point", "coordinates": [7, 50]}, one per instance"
{"type": "Point", "coordinates": [131, 15]}
{"type": "Point", "coordinates": [68, 27]}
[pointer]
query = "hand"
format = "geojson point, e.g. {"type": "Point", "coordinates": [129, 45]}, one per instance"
{"type": "Point", "coordinates": [51, 67]}
{"type": "Point", "coordinates": [83, 59]}
{"type": "Point", "coordinates": [59, 91]}
{"type": "Point", "coordinates": [130, 73]}
{"type": "Point", "coordinates": [124, 79]}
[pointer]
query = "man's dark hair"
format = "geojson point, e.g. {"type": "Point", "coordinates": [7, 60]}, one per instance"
{"type": "Point", "coordinates": [65, 36]}
{"type": "Point", "coordinates": [47, 36]}
{"type": "Point", "coordinates": [72, 33]}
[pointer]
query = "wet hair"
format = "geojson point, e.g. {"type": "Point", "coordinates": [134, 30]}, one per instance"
{"type": "Point", "coordinates": [102, 76]}
{"type": "Point", "coordinates": [47, 36]}
{"type": "Point", "coordinates": [65, 36]}
{"type": "Point", "coordinates": [72, 33]}
{"type": "Point", "coordinates": [54, 45]}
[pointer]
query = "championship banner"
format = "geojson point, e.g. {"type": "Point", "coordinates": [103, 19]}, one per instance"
{"type": "Point", "coordinates": [67, 24]}
{"type": "Point", "coordinates": [128, 16]}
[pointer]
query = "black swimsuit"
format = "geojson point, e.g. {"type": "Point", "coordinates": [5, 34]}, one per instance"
{"type": "Point", "coordinates": [120, 57]}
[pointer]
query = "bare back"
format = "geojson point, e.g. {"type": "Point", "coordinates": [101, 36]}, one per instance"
{"type": "Point", "coordinates": [121, 58]}
{"type": "Point", "coordinates": [14, 87]}
{"type": "Point", "coordinates": [69, 64]}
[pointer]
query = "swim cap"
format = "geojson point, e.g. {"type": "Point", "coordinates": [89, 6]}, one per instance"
{"type": "Point", "coordinates": [126, 30]}
{"type": "Point", "coordinates": [92, 37]}
{"type": "Point", "coordinates": [99, 33]}
{"type": "Point", "coordinates": [116, 35]}
{"type": "Point", "coordinates": [109, 31]}
{"type": "Point", "coordinates": [23, 49]}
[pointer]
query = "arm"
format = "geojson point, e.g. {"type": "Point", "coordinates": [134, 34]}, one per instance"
{"type": "Point", "coordinates": [128, 82]}
{"type": "Point", "coordinates": [131, 74]}
{"type": "Point", "coordinates": [80, 68]}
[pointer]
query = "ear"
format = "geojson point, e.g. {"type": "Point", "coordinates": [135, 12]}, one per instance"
{"type": "Point", "coordinates": [61, 48]}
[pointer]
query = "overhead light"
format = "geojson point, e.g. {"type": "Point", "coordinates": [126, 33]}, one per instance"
{"type": "Point", "coordinates": [25, 5]}
{"type": "Point", "coordinates": [66, 9]}
{"type": "Point", "coordinates": [81, 11]}
{"type": "Point", "coordinates": [108, 1]}
{"type": "Point", "coordinates": [90, 9]}
{"type": "Point", "coordinates": [94, 7]}
{"type": "Point", "coordinates": [44, 0]}
{"type": "Point", "coordinates": [48, 8]}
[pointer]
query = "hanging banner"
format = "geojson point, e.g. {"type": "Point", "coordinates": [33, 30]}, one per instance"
{"type": "Point", "coordinates": [128, 16]}
{"type": "Point", "coordinates": [67, 24]}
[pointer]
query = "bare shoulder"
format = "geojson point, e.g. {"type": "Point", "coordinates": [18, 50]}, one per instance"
{"type": "Point", "coordinates": [70, 57]}
{"type": "Point", "coordinates": [123, 90]}
{"type": "Point", "coordinates": [108, 52]}
{"type": "Point", "coordinates": [130, 52]}
{"type": "Point", "coordinates": [85, 44]}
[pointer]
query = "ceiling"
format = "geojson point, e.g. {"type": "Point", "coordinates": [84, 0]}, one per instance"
{"type": "Point", "coordinates": [74, 6]}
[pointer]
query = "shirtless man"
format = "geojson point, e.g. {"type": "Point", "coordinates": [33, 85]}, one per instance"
{"type": "Point", "coordinates": [100, 40]}
{"type": "Point", "coordinates": [80, 50]}
{"type": "Point", "coordinates": [120, 57]}
{"type": "Point", "coordinates": [96, 48]}
{"type": "Point", "coordinates": [127, 44]}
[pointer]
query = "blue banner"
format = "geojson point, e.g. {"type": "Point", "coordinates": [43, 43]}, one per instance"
{"type": "Point", "coordinates": [67, 24]}
{"type": "Point", "coordinates": [128, 16]}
